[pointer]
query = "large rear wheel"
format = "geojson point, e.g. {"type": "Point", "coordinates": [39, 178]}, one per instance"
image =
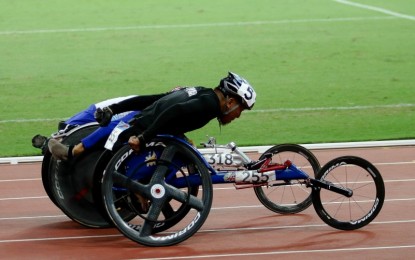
{"type": "Point", "coordinates": [177, 189]}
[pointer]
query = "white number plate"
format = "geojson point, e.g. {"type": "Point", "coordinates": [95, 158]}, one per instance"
{"type": "Point", "coordinates": [114, 134]}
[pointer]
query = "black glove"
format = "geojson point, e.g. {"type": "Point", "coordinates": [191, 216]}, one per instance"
{"type": "Point", "coordinates": [103, 116]}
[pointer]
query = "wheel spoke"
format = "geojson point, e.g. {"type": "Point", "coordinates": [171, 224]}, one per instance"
{"type": "Point", "coordinates": [183, 197]}
{"type": "Point", "coordinates": [125, 182]}
{"type": "Point", "coordinates": [152, 216]}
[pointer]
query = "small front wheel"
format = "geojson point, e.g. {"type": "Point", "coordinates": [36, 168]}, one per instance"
{"type": "Point", "coordinates": [293, 196]}
{"type": "Point", "coordinates": [361, 177]}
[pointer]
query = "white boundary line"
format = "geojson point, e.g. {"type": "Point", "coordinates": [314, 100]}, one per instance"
{"type": "Point", "coordinates": [283, 252]}
{"type": "Point", "coordinates": [178, 26]}
{"type": "Point", "coordinates": [409, 221]}
{"type": "Point", "coordinates": [24, 198]}
{"type": "Point", "coordinates": [24, 120]}
{"type": "Point", "coordinates": [376, 9]}
{"type": "Point", "coordinates": [258, 149]}
{"type": "Point", "coordinates": [19, 180]}
{"type": "Point", "coordinates": [310, 109]}
{"type": "Point", "coordinates": [213, 208]}
{"type": "Point", "coordinates": [269, 110]}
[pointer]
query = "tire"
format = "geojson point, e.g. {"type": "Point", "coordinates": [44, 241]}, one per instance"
{"type": "Point", "coordinates": [180, 211]}
{"type": "Point", "coordinates": [288, 197]}
{"type": "Point", "coordinates": [368, 188]}
{"type": "Point", "coordinates": [71, 183]}
{"type": "Point", "coordinates": [46, 179]}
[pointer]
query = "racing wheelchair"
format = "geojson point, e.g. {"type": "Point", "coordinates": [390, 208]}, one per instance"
{"type": "Point", "coordinates": [174, 179]}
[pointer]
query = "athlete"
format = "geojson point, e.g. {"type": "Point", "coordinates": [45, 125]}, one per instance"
{"type": "Point", "coordinates": [178, 112]}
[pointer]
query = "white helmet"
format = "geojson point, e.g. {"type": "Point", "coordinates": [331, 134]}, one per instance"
{"type": "Point", "coordinates": [235, 85]}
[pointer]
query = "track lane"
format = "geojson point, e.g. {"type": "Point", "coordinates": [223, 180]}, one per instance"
{"type": "Point", "coordinates": [237, 227]}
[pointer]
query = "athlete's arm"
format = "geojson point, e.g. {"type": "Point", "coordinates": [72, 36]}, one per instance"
{"type": "Point", "coordinates": [135, 103]}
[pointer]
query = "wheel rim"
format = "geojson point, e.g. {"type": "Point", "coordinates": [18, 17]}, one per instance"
{"type": "Point", "coordinates": [366, 183]}
{"type": "Point", "coordinates": [288, 197]}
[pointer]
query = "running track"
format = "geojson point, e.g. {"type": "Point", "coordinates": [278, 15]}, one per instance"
{"type": "Point", "coordinates": [238, 227]}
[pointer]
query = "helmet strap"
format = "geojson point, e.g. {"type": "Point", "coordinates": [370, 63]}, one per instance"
{"type": "Point", "coordinates": [231, 109]}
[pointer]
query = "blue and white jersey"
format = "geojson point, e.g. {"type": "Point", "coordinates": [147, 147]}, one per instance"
{"type": "Point", "coordinates": [87, 116]}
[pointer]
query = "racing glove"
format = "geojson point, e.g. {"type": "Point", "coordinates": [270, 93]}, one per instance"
{"type": "Point", "coordinates": [103, 116]}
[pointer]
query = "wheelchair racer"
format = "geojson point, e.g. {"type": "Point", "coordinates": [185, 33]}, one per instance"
{"type": "Point", "coordinates": [182, 110]}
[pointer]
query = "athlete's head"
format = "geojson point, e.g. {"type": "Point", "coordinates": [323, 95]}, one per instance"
{"type": "Point", "coordinates": [239, 95]}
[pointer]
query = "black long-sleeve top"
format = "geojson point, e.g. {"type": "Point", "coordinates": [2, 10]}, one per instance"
{"type": "Point", "coordinates": [176, 113]}
{"type": "Point", "coordinates": [136, 103]}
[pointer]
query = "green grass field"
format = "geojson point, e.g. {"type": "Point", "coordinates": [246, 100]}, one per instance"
{"type": "Point", "coordinates": [324, 70]}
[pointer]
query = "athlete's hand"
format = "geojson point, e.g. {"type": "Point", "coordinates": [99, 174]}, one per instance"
{"type": "Point", "coordinates": [103, 116]}
{"type": "Point", "coordinates": [134, 143]}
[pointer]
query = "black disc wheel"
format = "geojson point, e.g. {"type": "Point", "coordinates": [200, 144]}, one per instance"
{"type": "Point", "coordinates": [46, 179]}
{"type": "Point", "coordinates": [70, 184]}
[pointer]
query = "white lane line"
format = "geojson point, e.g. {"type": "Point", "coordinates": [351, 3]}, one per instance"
{"type": "Point", "coordinates": [385, 181]}
{"type": "Point", "coordinates": [201, 25]}
{"type": "Point", "coordinates": [283, 252]}
{"type": "Point", "coordinates": [394, 163]}
{"type": "Point", "coordinates": [219, 188]}
{"type": "Point", "coordinates": [18, 180]}
{"type": "Point", "coordinates": [377, 9]}
{"type": "Point", "coordinates": [24, 120]}
{"type": "Point", "coordinates": [271, 110]}
{"type": "Point", "coordinates": [56, 238]}
{"type": "Point", "coordinates": [233, 188]}
{"type": "Point", "coordinates": [308, 109]}
{"type": "Point", "coordinates": [34, 217]}
{"type": "Point", "coordinates": [262, 206]}
{"type": "Point", "coordinates": [410, 221]}
{"type": "Point", "coordinates": [406, 180]}
{"type": "Point", "coordinates": [25, 198]}
{"type": "Point", "coordinates": [213, 208]}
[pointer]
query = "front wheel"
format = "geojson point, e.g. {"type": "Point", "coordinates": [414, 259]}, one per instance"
{"type": "Point", "coordinates": [361, 177]}
{"type": "Point", "coordinates": [292, 196]}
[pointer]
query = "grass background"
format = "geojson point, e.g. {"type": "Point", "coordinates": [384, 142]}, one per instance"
{"type": "Point", "coordinates": [57, 57]}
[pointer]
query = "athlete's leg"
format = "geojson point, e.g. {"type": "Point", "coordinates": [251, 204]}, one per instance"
{"type": "Point", "coordinates": [84, 117]}
{"type": "Point", "coordinates": [60, 151]}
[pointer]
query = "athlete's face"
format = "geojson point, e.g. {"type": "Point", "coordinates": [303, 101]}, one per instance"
{"type": "Point", "coordinates": [233, 111]}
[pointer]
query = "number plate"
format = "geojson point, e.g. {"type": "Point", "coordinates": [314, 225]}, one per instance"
{"type": "Point", "coordinates": [224, 159]}
{"type": "Point", "coordinates": [114, 134]}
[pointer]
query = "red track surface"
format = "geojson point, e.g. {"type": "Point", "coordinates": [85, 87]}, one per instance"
{"type": "Point", "coordinates": [238, 226]}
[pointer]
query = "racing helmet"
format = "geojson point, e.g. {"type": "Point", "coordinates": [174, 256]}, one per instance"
{"type": "Point", "coordinates": [235, 85]}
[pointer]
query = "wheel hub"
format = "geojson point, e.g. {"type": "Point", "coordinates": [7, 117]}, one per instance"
{"type": "Point", "coordinates": [157, 191]}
